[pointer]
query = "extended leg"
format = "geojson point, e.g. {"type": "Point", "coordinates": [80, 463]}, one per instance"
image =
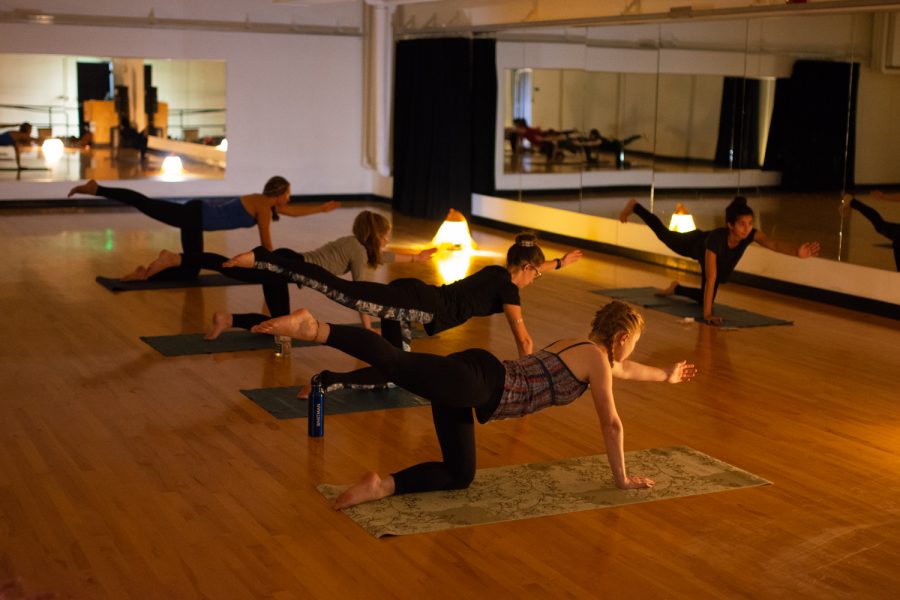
{"type": "Point", "coordinates": [404, 299]}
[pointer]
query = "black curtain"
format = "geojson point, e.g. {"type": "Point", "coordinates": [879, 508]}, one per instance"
{"type": "Point", "coordinates": [440, 96]}
{"type": "Point", "coordinates": [738, 143]}
{"type": "Point", "coordinates": [813, 131]}
{"type": "Point", "coordinates": [93, 84]}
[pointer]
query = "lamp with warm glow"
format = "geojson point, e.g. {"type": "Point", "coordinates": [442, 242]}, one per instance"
{"type": "Point", "coordinates": [172, 166]}
{"type": "Point", "coordinates": [53, 149]}
{"type": "Point", "coordinates": [453, 234]}
{"type": "Point", "coordinates": [681, 221]}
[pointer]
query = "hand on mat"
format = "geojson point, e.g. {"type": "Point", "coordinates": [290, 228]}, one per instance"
{"type": "Point", "coordinates": [633, 482]}
{"type": "Point", "coordinates": [681, 372]}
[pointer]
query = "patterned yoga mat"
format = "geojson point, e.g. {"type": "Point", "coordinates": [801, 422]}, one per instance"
{"type": "Point", "coordinates": [683, 307]}
{"type": "Point", "coordinates": [552, 488]}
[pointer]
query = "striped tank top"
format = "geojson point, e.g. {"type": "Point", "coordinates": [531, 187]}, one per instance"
{"type": "Point", "coordinates": [535, 382]}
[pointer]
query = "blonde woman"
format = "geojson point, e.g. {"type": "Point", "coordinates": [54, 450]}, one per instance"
{"type": "Point", "coordinates": [475, 384]}
{"type": "Point", "coordinates": [358, 254]}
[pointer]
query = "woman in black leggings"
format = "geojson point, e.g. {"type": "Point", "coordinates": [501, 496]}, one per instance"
{"type": "Point", "coordinates": [491, 290]}
{"type": "Point", "coordinates": [889, 230]}
{"type": "Point", "coordinates": [358, 254]}
{"type": "Point", "coordinates": [718, 251]}
{"type": "Point", "coordinates": [474, 380]}
{"type": "Point", "coordinates": [196, 216]}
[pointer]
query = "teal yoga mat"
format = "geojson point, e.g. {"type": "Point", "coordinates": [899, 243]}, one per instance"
{"type": "Point", "coordinates": [282, 402]}
{"type": "Point", "coordinates": [188, 344]}
{"type": "Point", "coordinates": [683, 307]}
{"type": "Point", "coordinates": [211, 280]}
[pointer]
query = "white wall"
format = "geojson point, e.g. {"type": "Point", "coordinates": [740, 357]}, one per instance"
{"type": "Point", "coordinates": [294, 103]}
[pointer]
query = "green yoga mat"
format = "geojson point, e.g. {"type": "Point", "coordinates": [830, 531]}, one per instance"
{"type": "Point", "coordinates": [187, 344]}
{"type": "Point", "coordinates": [552, 488]}
{"type": "Point", "coordinates": [282, 402]}
{"type": "Point", "coordinates": [210, 280]}
{"type": "Point", "coordinates": [683, 307]}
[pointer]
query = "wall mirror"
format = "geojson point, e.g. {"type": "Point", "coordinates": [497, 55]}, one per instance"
{"type": "Point", "coordinates": [113, 118]}
{"type": "Point", "coordinates": [791, 112]}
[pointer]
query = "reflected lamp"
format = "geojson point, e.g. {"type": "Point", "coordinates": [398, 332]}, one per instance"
{"type": "Point", "coordinates": [681, 221]}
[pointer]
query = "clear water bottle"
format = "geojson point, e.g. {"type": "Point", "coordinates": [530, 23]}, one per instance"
{"type": "Point", "coordinates": [282, 346]}
{"type": "Point", "coordinates": [316, 409]}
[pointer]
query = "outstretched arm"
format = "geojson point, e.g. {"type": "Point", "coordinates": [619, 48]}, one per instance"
{"type": "Point", "coordinates": [883, 196]}
{"type": "Point", "coordinates": [407, 256]}
{"type": "Point", "coordinates": [570, 257]}
{"type": "Point", "coordinates": [303, 210]}
{"type": "Point", "coordinates": [804, 250]}
{"type": "Point", "coordinates": [524, 342]}
{"type": "Point", "coordinates": [682, 371]}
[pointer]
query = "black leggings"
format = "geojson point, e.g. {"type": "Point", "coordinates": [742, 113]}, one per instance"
{"type": "Point", "coordinates": [275, 288]}
{"type": "Point", "coordinates": [889, 230]}
{"type": "Point", "coordinates": [397, 304]}
{"type": "Point", "coordinates": [188, 217]}
{"type": "Point", "coordinates": [454, 384]}
{"type": "Point", "coordinates": [680, 243]}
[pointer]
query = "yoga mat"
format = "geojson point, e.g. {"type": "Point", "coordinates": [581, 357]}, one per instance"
{"type": "Point", "coordinates": [212, 280]}
{"type": "Point", "coordinates": [683, 307]}
{"type": "Point", "coordinates": [282, 402]}
{"type": "Point", "coordinates": [186, 344]}
{"type": "Point", "coordinates": [536, 490]}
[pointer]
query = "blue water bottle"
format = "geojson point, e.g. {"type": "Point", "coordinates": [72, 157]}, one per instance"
{"type": "Point", "coordinates": [316, 409]}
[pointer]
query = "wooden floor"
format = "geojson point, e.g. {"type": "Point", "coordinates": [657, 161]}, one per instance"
{"type": "Point", "coordinates": [125, 474]}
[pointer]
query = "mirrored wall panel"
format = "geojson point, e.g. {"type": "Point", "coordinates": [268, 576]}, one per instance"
{"type": "Point", "coordinates": [791, 112]}
{"type": "Point", "coordinates": [67, 118]}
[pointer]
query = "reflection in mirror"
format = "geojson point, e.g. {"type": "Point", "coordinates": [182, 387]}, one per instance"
{"type": "Point", "coordinates": [111, 118]}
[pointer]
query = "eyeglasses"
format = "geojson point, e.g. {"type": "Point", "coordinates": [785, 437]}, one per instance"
{"type": "Point", "coordinates": [537, 272]}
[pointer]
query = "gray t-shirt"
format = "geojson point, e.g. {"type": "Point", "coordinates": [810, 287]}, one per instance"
{"type": "Point", "coordinates": [344, 255]}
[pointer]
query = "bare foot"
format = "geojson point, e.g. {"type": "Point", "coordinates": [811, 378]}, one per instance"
{"type": "Point", "coordinates": [221, 321]}
{"type": "Point", "coordinates": [244, 261]}
{"type": "Point", "coordinates": [667, 291]}
{"type": "Point", "coordinates": [845, 205]}
{"type": "Point", "coordinates": [370, 487]}
{"type": "Point", "coordinates": [139, 274]}
{"type": "Point", "coordinates": [88, 188]}
{"type": "Point", "coordinates": [628, 210]}
{"type": "Point", "coordinates": [165, 260]}
{"type": "Point", "coordinates": [303, 392]}
{"type": "Point", "coordinates": [300, 325]}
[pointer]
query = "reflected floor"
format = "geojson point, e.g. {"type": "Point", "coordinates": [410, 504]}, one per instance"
{"type": "Point", "coordinates": [106, 163]}
{"type": "Point", "coordinates": [791, 217]}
